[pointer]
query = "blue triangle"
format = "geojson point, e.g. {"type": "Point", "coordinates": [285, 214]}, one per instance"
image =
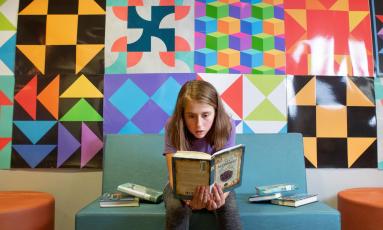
{"type": "Point", "coordinates": [33, 154]}
{"type": "Point", "coordinates": [7, 52]}
{"type": "Point", "coordinates": [381, 51]}
{"type": "Point", "coordinates": [34, 130]}
{"type": "Point", "coordinates": [130, 128]}
{"type": "Point", "coordinates": [284, 129]}
{"type": "Point", "coordinates": [166, 95]}
{"type": "Point", "coordinates": [246, 128]}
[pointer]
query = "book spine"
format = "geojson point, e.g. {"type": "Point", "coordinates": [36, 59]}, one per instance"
{"type": "Point", "coordinates": [138, 194]}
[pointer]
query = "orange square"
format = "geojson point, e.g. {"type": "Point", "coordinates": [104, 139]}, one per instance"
{"type": "Point", "coordinates": [274, 58]}
{"type": "Point", "coordinates": [229, 58]}
{"type": "Point", "coordinates": [229, 25]}
{"type": "Point", "coordinates": [331, 121]}
{"type": "Point", "coordinates": [273, 26]}
{"type": "Point", "coordinates": [61, 29]}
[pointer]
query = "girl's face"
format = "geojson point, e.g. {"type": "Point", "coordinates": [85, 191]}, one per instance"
{"type": "Point", "coordinates": [199, 118]}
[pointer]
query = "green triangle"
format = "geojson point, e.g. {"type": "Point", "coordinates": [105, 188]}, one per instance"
{"type": "Point", "coordinates": [266, 83]}
{"type": "Point", "coordinates": [266, 111]}
{"type": "Point", "coordinates": [82, 111]}
{"type": "Point", "coordinates": [5, 24]}
{"type": "Point", "coordinates": [1, 2]}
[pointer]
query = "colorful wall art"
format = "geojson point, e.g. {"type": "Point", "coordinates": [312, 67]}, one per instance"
{"type": "Point", "coordinates": [72, 71]}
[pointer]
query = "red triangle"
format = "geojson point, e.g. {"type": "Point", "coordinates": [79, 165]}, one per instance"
{"type": "Point", "coordinates": [4, 141]}
{"type": "Point", "coordinates": [233, 96]}
{"type": "Point", "coordinates": [380, 17]}
{"type": "Point", "coordinates": [26, 97]}
{"type": "Point", "coordinates": [328, 3]}
{"type": "Point", "coordinates": [362, 32]}
{"type": "Point", "coordinates": [4, 100]}
{"type": "Point", "coordinates": [295, 31]}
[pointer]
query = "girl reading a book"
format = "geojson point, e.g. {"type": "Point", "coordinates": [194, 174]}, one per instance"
{"type": "Point", "coordinates": [199, 123]}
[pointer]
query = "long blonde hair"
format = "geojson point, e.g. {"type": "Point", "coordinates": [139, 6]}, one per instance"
{"type": "Point", "coordinates": [202, 92]}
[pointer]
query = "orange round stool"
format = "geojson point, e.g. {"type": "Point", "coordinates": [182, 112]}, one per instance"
{"type": "Point", "coordinates": [361, 208]}
{"type": "Point", "coordinates": [26, 210]}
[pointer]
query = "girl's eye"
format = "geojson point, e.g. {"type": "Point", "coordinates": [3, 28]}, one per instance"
{"type": "Point", "coordinates": [205, 115]}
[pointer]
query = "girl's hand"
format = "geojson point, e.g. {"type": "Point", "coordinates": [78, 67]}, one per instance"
{"type": "Point", "coordinates": [200, 198]}
{"type": "Point", "coordinates": [217, 198]}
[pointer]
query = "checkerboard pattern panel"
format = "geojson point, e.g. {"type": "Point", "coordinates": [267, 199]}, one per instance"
{"type": "Point", "coordinates": [336, 116]}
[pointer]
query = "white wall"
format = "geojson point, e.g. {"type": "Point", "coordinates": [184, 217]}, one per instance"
{"type": "Point", "coordinates": [328, 182]}
{"type": "Point", "coordinates": [72, 189]}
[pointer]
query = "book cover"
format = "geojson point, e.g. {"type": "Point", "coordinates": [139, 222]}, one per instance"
{"type": "Point", "coordinates": [141, 191]}
{"type": "Point", "coordinates": [191, 169]}
{"type": "Point", "coordinates": [275, 188]}
{"type": "Point", "coordinates": [296, 200]}
{"type": "Point", "coordinates": [259, 198]}
{"type": "Point", "coordinates": [118, 199]}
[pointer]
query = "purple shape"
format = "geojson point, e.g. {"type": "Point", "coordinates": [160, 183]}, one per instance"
{"type": "Point", "coordinates": [199, 69]}
{"type": "Point", "coordinates": [279, 11]}
{"type": "Point", "coordinates": [67, 145]}
{"type": "Point", "coordinates": [181, 78]}
{"type": "Point", "coordinates": [114, 120]}
{"type": "Point", "coordinates": [279, 42]}
{"type": "Point", "coordinates": [199, 40]}
{"type": "Point", "coordinates": [90, 144]}
{"type": "Point", "coordinates": [380, 34]}
{"type": "Point", "coordinates": [151, 118]}
{"type": "Point", "coordinates": [149, 83]}
{"type": "Point", "coordinates": [112, 82]}
{"type": "Point", "coordinates": [240, 41]}
{"type": "Point", "coordinates": [280, 70]}
{"type": "Point", "coordinates": [240, 69]}
{"type": "Point", "coordinates": [240, 10]}
{"type": "Point", "coordinates": [200, 9]}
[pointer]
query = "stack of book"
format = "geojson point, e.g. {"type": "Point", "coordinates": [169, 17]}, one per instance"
{"type": "Point", "coordinates": [129, 195]}
{"type": "Point", "coordinates": [276, 194]}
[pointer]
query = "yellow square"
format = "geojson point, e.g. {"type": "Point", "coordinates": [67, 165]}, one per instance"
{"type": "Point", "coordinates": [61, 29]}
{"type": "Point", "coordinates": [331, 121]}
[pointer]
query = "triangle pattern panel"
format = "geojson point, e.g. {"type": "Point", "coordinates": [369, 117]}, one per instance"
{"type": "Point", "coordinates": [309, 52]}
{"type": "Point", "coordinates": [59, 74]}
{"type": "Point", "coordinates": [135, 98]}
{"type": "Point", "coordinates": [344, 123]}
{"type": "Point", "coordinates": [272, 107]}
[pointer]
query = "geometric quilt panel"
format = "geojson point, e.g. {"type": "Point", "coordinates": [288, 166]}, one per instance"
{"type": "Point", "coordinates": [239, 37]}
{"type": "Point", "coordinates": [336, 116]}
{"type": "Point", "coordinates": [149, 37]}
{"type": "Point", "coordinates": [328, 37]}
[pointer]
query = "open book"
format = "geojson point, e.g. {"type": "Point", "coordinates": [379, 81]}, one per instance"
{"type": "Point", "coordinates": [190, 169]}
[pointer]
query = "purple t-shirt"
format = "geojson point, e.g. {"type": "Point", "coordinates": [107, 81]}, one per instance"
{"type": "Point", "coordinates": [201, 145]}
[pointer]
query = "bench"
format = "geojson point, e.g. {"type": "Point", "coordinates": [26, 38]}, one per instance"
{"type": "Point", "coordinates": [269, 159]}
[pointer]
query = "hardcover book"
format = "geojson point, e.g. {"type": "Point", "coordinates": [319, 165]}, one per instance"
{"type": "Point", "coordinates": [259, 198]}
{"type": "Point", "coordinates": [296, 200]}
{"type": "Point", "coordinates": [190, 169]}
{"type": "Point", "coordinates": [141, 191]}
{"type": "Point", "coordinates": [275, 188]}
{"type": "Point", "coordinates": [118, 199]}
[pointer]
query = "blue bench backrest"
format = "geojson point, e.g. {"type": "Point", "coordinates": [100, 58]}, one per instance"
{"type": "Point", "coordinates": [269, 159]}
